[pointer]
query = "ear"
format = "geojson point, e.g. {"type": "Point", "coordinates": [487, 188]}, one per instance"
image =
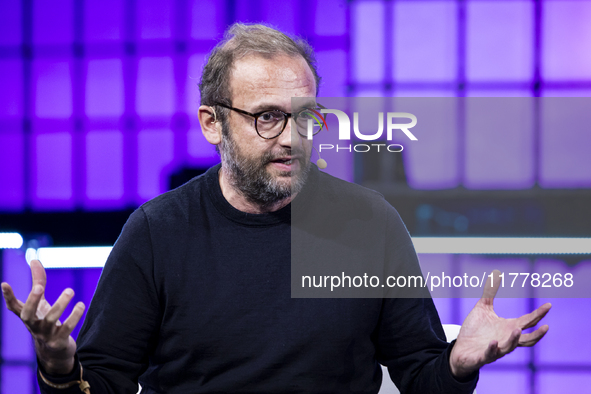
{"type": "Point", "coordinates": [211, 127]}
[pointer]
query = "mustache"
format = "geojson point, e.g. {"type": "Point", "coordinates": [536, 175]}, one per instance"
{"type": "Point", "coordinates": [271, 156]}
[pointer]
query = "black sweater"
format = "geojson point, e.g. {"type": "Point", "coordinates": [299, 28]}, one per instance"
{"type": "Point", "coordinates": [195, 298]}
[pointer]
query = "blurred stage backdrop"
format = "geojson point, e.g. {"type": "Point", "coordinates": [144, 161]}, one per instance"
{"type": "Point", "coordinates": [98, 115]}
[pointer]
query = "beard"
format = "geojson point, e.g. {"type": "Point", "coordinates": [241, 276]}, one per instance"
{"type": "Point", "coordinates": [250, 177]}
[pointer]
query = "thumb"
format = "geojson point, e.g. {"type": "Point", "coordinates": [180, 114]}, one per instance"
{"type": "Point", "coordinates": [493, 283]}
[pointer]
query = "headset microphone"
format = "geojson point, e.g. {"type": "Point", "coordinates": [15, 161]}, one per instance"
{"type": "Point", "coordinates": [321, 163]}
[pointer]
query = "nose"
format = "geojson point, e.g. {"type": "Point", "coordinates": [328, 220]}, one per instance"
{"type": "Point", "coordinates": [289, 136]}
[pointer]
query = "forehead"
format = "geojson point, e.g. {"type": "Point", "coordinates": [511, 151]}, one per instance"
{"type": "Point", "coordinates": [281, 77]}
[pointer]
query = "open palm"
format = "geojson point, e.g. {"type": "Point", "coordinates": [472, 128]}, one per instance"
{"type": "Point", "coordinates": [54, 345]}
{"type": "Point", "coordinates": [486, 337]}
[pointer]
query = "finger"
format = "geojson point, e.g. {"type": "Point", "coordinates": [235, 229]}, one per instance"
{"type": "Point", "coordinates": [532, 338]}
{"type": "Point", "coordinates": [29, 311]}
{"type": "Point", "coordinates": [73, 319]}
{"type": "Point", "coordinates": [43, 308]}
{"type": "Point", "coordinates": [60, 305]}
{"type": "Point", "coordinates": [12, 303]}
{"type": "Point", "coordinates": [492, 286]}
{"type": "Point", "coordinates": [38, 272]}
{"type": "Point", "coordinates": [533, 318]}
{"type": "Point", "coordinates": [512, 342]}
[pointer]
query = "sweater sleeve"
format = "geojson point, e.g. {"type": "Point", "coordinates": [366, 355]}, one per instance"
{"type": "Point", "coordinates": [121, 326]}
{"type": "Point", "coordinates": [410, 340]}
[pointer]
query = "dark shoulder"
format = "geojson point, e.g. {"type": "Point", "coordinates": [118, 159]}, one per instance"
{"type": "Point", "coordinates": [338, 188]}
{"type": "Point", "coordinates": [176, 204]}
{"type": "Point", "coordinates": [333, 197]}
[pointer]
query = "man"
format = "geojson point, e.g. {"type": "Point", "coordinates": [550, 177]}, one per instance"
{"type": "Point", "coordinates": [195, 296]}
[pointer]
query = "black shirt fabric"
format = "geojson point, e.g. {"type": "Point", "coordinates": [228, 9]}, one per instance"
{"type": "Point", "coordinates": [195, 298]}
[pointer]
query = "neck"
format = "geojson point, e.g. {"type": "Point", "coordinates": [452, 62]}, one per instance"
{"type": "Point", "coordinates": [239, 201]}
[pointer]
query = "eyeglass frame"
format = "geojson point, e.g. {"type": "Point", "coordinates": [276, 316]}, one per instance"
{"type": "Point", "coordinates": [286, 116]}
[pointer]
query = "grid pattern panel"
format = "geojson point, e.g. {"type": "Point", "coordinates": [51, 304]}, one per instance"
{"type": "Point", "coordinates": [121, 67]}
{"type": "Point", "coordinates": [483, 49]}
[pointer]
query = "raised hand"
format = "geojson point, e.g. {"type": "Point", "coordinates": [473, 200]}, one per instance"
{"type": "Point", "coordinates": [486, 337]}
{"type": "Point", "coordinates": [54, 346]}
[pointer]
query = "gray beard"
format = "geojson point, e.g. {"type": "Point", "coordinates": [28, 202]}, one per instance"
{"type": "Point", "coordinates": [251, 178]}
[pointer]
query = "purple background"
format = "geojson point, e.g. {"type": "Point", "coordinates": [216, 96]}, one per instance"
{"type": "Point", "coordinates": [99, 106]}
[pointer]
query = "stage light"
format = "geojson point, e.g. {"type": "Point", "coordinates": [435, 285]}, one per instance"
{"type": "Point", "coordinates": [10, 240]}
{"type": "Point", "coordinates": [96, 256]}
{"type": "Point", "coordinates": [502, 245]}
{"type": "Point", "coordinates": [74, 257]}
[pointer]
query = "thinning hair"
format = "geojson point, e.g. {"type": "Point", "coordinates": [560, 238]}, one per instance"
{"type": "Point", "coordinates": [242, 40]}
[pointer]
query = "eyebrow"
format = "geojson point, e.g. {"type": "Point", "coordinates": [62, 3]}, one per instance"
{"type": "Point", "coordinates": [265, 107]}
{"type": "Point", "coordinates": [308, 104]}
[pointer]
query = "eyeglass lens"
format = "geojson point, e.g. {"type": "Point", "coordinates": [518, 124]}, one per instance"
{"type": "Point", "coordinates": [271, 123]}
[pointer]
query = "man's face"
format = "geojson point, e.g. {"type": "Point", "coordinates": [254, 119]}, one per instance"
{"type": "Point", "coordinates": [266, 170]}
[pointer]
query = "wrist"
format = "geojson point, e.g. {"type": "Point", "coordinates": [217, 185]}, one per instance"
{"type": "Point", "coordinates": [57, 367]}
{"type": "Point", "coordinates": [458, 367]}
{"type": "Point", "coordinates": [459, 373]}
{"type": "Point", "coordinates": [54, 364]}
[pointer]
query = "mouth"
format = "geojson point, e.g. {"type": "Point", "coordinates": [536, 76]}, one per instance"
{"type": "Point", "coordinates": [285, 163]}
{"type": "Point", "coordinates": [285, 159]}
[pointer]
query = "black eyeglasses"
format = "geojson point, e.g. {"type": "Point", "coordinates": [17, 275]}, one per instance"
{"type": "Point", "coordinates": [270, 124]}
